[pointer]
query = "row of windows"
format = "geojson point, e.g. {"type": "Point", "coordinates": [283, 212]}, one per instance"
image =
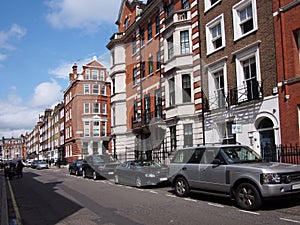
{"type": "Point", "coordinates": [244, 23]}
{"type": "Point", "coordinates": [92, 128]}
{"type": "Point", "coordinates": [248, 79]}
{"type": "Point", "coordinates": [186, 89]}
{"type": "Point", "coordinates": [95, 89]}
{"type": "Point", "coordinates": [92, 74]}
{"type": "Point", "coordinates": [95, 108]}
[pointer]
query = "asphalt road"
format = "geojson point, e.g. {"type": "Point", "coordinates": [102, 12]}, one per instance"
{"type": "Point", "coordinates": [54, 197]}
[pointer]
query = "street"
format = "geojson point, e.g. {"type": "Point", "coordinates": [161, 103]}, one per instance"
{"type": "Point", "coordinates": [53, 196]}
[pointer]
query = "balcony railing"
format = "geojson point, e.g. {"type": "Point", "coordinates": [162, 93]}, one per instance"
{"type": "Point", "coordinates": [178, 16]}
{"type": "Point", "coordinates": [250, 91]}
{"type": "Point", "coordinates": [145, 118]}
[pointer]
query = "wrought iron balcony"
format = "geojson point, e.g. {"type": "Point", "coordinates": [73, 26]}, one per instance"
{"type": "Point", "coordinates": [251, 90]}
{"type": "Point", "coordinates": [145, 118]}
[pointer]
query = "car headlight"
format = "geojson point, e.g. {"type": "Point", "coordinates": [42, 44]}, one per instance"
{"type": "Point", "coordinates": [149, 175]}
{"type": "Point", "coordinates": [270, 178]}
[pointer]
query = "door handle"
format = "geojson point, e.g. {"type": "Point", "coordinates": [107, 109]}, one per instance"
{"type": "Point", "coordinates": [183, 168]}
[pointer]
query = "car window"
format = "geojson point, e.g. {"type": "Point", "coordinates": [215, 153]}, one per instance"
{"type": "Point", "coordinates": [240, 154]}
{"type": "Point", "coordinates": [196, 156]}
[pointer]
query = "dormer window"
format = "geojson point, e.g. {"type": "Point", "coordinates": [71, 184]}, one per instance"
{"type": "Point", "coordinates": [126, 22]}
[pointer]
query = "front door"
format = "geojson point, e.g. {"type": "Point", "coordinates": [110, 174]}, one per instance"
{"type": "Point", "coordinates": [267, 145]}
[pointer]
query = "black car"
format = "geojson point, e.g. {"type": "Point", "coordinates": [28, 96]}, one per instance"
{"type": "Point", "coordinates": [97, 166]}
{"type": "Point", "coordinates": [75, 167]}
{"type": "Point", "coordinates": [141, 173]}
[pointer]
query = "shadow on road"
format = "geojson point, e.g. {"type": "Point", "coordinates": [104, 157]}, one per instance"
{"type": "Point", "coordinates": [38, 203]}
{"type": "Point", "coordinates": [269, 204]}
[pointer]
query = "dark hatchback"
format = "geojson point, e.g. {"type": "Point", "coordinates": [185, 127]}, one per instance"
{"type": "Point", "coordinates": [97, 166]}
{"type": "Point", "coordinates": [75, 167]}
{"type": "Point", "coordinates": [141, 173]}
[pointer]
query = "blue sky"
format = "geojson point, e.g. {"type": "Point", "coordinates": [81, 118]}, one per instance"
{"type": "Point", "coordinates": [40, 40]}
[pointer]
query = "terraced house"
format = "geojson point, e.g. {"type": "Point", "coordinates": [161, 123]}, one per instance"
{"type": "Point", "coordinates": [239, 74]}
{"type": "Point", "coordinates": [156, 86]}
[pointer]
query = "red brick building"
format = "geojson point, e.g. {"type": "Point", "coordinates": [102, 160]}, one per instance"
{"type": "Point", "coordinates": [155, 72]}
{"type": "Point", "coordinates": [287, 35]}
{"type": "Point", "coordinates": [87, 112]}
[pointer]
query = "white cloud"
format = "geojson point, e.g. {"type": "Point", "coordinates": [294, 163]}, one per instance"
{"type": "Point", "coordinates": [18, 117]}
{"type": "Point", "coordinates": [2, 57]}
{"type": "Point", "coordinates": [6, 37]}
{"type": "Point", "coordinates": [15, 118]}
{"type": "Point", "coordinates": [62, 71]}
{"type": "Point", "coordinates": [82, 14]}
{"type": "Point", "coordinates": [46, 94]}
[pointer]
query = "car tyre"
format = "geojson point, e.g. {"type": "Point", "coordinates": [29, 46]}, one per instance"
{"type": "Point", "coordinates": [181, 187]}
{"type": "Point", "coordinates": [83, 174]}
{"type": "Point", "coordinates": [138, 182]}
{"type": "Point", "coordinates": [116, 179]}
{"type": "Point", "coordinates": [76, 173]}
{"type": "Point", "coordinates": [70, 171]}
{"type": "Point", "coordinates": [95, 175]}
{"type": "Point", "coordinates": [248, 197]}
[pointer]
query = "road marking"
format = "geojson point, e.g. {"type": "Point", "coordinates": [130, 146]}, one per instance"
{"type": "Point", "coordinates": [172, 196]}
{"type": "Point", "coordinates": [17, 212]}
{"type": "Point", "coordinates": [245, 211]}
{"type": "Point", "coordinates": [289, 220]}
{"type": "Point", "coordinates": [216, 205]}
{"type": "Point", "coordinates": [190, 200]}
{"type": "Point", "coordinates": [154, 192]}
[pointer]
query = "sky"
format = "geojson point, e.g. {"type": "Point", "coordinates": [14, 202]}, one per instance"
{"type": "Point", "coordinates": [40, 40]}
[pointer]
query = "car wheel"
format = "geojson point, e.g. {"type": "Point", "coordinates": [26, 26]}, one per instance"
{"type": "Point", "coordinates": [116, 179]}
{"type": "Point", "coordinates": [70, 171]}
{"type": "Point", "coordinates": [76, 173]}
{"type": "Point", "coordinates": [181, 187]}
{"type": "Point", "coordinates": [95, 176]}
{"type": "Point", "coordinates": [138, 182]}
{"type": "Point", "coordinates": [247, 197]}
{"type": "Point", "coordinates": [83, 174]}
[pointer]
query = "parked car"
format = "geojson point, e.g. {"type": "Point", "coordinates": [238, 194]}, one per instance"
{"type": "Point", "coordinates": [34, 163]}
{"type": "Point", "coordinates": [97, 166]}
{"type": "Point", "coordinates": [75, 167]}
{"type": "Point", "coordinates": [41, 165]}
{"type": "Point", "coordinates": [232, 170]}
{"type": "Point", "coordinates": [141, 173]}
{"type": "Point", "coordinates": [27, 163]}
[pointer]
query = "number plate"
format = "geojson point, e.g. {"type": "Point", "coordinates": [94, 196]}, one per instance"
{"type": "Point", "coordinates": [110, 173]}
{"type": "Point", "coordinates": [296, 186]}
{"type": "Point", "coordinates": [163, 179]}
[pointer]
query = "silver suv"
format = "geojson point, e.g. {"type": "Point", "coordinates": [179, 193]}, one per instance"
{"type": "Point", "coordinates": [233, 170]}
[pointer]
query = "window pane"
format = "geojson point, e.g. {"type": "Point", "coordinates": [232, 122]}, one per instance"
{"type": "Point", "coordinates": [184, 42]}
{"type": "Point", "coordinates": [186, 88]}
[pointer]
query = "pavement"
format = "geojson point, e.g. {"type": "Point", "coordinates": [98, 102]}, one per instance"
{"type": "Point", "coordinates": [4, 212]}
{"type": "Point", "coordinates": [3, 195]}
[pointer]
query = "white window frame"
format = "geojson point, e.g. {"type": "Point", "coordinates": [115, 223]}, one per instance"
{"type": "Point", "coordinates": [103, 89]}
{"type": "Point", "coordinates": [102, 75]}
{"type": "Point", "coordinates": [87, 89]}
{"type": "Point", "coordinates": [210, 48]}
{"type": "Point", "coordinates": [237, 21]}
{"type": "Point", "coordinates": [96, 105]}
{"type": "Point", "coordinates": [95, 89]}
{"type": "Point", "coordinates": [104, 108]}
{"type": "Point", "coordinates": [86, 128]}
{"type": "Point", "coordinates": [104, 128]}
{"type": "Point", "coordinates": [208, 5]}
{"type": "Point", "coordinates": [87, 74]}
{"type": "Point", "coordinates": [212, 70]}
{"type": "Point", "coordinates": [96, 128]}
{"type": "Point", "coordinates": [86, 108]}
{"type": "Point", "coordinates": [95, 75]}
{"type": "Point", "coordinates": [241, 56]}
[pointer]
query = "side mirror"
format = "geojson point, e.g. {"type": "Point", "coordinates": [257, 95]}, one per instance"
{"type": "Point", "coordinates": [216, 162]}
